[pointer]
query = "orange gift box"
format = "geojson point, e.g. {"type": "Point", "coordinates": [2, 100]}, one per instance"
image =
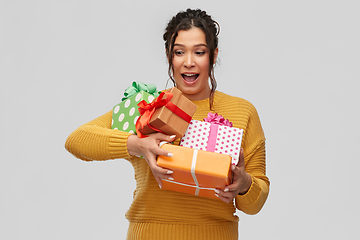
{"type": "Point", "coordinates": [165, 119]}
{"type": "Point", "coordinates": [196, 172]}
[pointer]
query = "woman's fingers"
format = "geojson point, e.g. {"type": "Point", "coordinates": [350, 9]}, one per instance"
{"type": "Point", "coordinates": [224, 196]}
{"type": "Point", "coordinates": [241, 162]}
{"type": "Point", "coordinates": [241, 182]}
{"type": "Point", "coordinates": [159, 171]}
{"type": "Point", "coordinates": [158, 179]}
{"type": "Point", "coordinates": [160, 137]}
{"type": "Point", "coordinates": [162, 152]}
{"type": "Point", "coordinates": [149, 148]}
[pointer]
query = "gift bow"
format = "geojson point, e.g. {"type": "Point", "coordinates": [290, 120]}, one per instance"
{"type": "Point", "coordinates": [146, 111]}
{"type": "Point", "coordinates": [139, 86]}
{"type": "Point", "coordinates": [217, 119]}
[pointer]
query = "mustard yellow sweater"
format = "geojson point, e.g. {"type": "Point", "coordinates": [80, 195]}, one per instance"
{"type": "Point", "coordinates": [157, 214]}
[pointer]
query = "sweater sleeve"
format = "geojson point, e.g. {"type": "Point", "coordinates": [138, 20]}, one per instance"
{"type": "Point", "coordinates": [96, 140]}
{"type": "Point", "coordinates": [254, 157]}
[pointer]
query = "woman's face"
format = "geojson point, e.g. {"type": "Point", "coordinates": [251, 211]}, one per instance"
{"type": "Point", "coordinates": [191, 64]}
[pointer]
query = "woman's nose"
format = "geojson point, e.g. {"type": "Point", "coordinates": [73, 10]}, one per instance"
{"type": "Point", "coordinates": [189, 61]}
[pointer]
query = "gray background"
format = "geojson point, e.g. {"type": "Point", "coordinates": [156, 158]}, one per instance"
{"type": "Point", "coordinates": [63, 63]}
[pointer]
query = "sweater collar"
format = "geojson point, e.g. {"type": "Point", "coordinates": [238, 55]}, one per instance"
{"type": "Point", "coordinates": [205, 102]}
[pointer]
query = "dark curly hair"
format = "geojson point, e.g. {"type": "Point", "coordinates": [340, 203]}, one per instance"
{"type": "Point", "coordinates": [185, 20]}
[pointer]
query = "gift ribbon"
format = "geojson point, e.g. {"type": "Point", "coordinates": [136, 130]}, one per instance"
{"type": "Point", "coordinates": [146, 111]}
{"type": "Point", "coordinates": [193, 167]}
{"type": "Point", "coordinates": [139, 86]}
{"type": "Point", "coordinates": [188, 185]}
{"type": "Point", "coordinates": [212, 137]}
{"type": "Point", "coordinates": [215, 121]}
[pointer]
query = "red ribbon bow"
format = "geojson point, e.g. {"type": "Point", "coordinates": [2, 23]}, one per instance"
{"type": "Point", "coordinates": [146, 111]}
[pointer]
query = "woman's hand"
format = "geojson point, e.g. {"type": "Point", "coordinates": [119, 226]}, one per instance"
{"type": "Point", "coordinates": [149, 148]}
{"type": "Point", "coordinates": [241, 182]}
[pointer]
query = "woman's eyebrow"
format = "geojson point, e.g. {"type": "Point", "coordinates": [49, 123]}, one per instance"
{"type": "Point", "coordinates": [196, 45]}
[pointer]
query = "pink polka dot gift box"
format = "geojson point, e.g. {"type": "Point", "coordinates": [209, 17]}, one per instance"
{"type": "Point", "coordinates": [214, 134]}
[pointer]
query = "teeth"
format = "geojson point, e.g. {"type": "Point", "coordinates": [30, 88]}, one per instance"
{"type": "Point", "coordinates": [189, 74]}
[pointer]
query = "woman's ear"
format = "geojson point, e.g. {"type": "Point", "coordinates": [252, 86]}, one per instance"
{"type": "Point", "coordinates": [216, 54]}
{"type": "Point", "coordinates": [167, 54]}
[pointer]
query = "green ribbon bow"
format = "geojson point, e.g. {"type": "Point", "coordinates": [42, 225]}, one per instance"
{"type": "Point", "coordinates": [137, 87]}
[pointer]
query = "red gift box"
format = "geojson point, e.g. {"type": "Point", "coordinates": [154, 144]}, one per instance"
{"type": "Point", "coordinates": [170, 113]}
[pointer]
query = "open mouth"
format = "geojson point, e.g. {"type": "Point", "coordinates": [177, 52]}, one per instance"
{"type": "Point", "coordinates": [190, 77]}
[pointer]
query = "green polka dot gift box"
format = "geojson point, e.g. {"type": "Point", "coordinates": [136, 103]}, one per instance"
{"type": "Point", "coordinates": [126, 113]}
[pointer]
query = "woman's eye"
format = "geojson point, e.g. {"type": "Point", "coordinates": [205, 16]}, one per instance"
{"type": "Point", "coordinates": [200, 53]}
{"type": "Point", "coordinates": [178, 52]}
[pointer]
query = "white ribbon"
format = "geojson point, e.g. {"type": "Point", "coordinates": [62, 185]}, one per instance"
{"type": "Point", "coordinates": [187, 185]}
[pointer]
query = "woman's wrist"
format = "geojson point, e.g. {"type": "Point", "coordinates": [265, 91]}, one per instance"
{"type": "Point", "coordinates": [132, 143]}
{"type": "Point", "coordinates": [248, 185]}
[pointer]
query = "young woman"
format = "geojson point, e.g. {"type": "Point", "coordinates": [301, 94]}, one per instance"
{"type": "Point", "coordinates": [191, 45]}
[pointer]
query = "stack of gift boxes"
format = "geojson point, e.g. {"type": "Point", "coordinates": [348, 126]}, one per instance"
{"type": "Point", "coordinates": [202, 162]}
